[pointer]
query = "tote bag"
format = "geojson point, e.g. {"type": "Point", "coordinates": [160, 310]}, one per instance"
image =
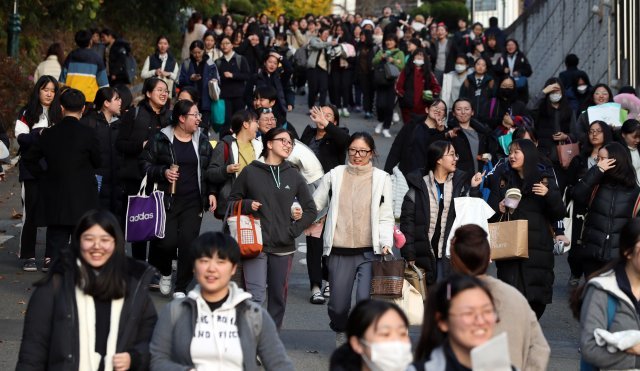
{"type": "Point", "coordinates": [146, 216]}
{"type": "Point", "coordinates": [566, 153]}
{"type": "Point", "coordinates": [388, 277]}
{"type": "Point", "coordinates": [509, 239]}
{"type": "Point", "coordinates": [246, 230]}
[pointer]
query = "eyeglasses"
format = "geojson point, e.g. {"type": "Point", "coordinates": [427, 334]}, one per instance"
{"type": "Point", "coordinates": [268, 119]}
{"type": "Point", "coordinates": [359, 152]}
{"type": "Point", "coordinates": [454, 155]}
{"type": "Point", "coordinates": [468, 317]}
{"type": "Point", "coordinates": [595, 131]}
{"type": "Point", "coordinates": [600, 93]}
{"type": "Point", "coordinates": [284, 141]}
{"type": "Point", "coordinates": [161, 91]}
{"type": "Point", "coordinates": [197, 115]}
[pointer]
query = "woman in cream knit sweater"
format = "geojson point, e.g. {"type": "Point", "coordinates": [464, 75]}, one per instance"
{"type": "Point", "coordinates": [356, 193]}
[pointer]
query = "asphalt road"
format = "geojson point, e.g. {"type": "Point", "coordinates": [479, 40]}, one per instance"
{"type": "Point", "coordinates": [306, 334]}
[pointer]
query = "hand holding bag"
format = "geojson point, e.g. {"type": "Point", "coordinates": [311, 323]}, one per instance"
{"type": "Point", "coordinates": [246, 230]}
{"type": "Point", "coordinates": [388, 277]}
{"type": "Point", "coordinates": [509, 240]}
{"type": "Point", "coordinates": [214, 89]}
{"type": "Point", "coordinates": [416, 277]}
{"type": "Point", "coordinates": [566, 153]}
{"type": "Point", "coordinates": [145, 215]}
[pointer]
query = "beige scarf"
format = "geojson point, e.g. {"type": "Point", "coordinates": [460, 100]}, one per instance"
{"type": "Point", "coordinates": [89, 358]}
{"type": "Point", "coordinates": [432, 190]}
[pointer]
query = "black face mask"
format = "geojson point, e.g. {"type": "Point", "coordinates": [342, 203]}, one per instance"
{"type": "Point", "coordinates": [507, 93]}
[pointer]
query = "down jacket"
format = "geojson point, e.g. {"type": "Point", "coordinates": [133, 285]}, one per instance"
{"type": "Point", "coordinates": [50, 340]}
{"type": "Point", "coordinates": [534, 276]}
{"type": "Point", "coordinates": [611, 208]}
{"type": "Point", "coordinates": [417, 213]}
{"type": "Point", "coordinates": [158, 155]}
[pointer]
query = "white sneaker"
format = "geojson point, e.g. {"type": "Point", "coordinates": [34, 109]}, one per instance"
{"type": "Point", "coordinates": [339, 111]}
{"type": "Point", "coordinates": [165, 285]}
{"type": "Point", "coordinates": [345, 112]}
{"type": "Point", "coordinates": [378, 129]}
{"type": "Point", "coordinates": [396, 117]}
{"type": "Point", "coordinates": [179, 295]}
{"type": "Point", "coordinates": [386, 134]}
{"type": "Point", "coordinates": [341, 338]}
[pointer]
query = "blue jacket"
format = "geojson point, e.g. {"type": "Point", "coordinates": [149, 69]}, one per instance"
{"type": "Point", "coordinates": [209, 72]}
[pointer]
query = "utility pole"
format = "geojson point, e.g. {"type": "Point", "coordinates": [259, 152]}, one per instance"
{"type": "Point", "coordinates": [14, 31]}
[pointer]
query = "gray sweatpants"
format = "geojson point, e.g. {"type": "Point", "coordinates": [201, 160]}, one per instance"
{"type": "Point", "coordinates": [344, 270]}
{"type": "Point", "coordinates": [269, 271]}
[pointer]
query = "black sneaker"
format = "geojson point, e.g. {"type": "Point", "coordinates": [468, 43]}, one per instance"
{"type": "Point", "coordinates": [29, 265]}
{"type": "Point", "coordinates": [46, 263]}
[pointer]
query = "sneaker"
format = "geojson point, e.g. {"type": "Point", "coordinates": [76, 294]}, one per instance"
{"type": "Point", "coordinates": [357, 109]}
{"type": "Point", "coordinates": [368, 115]}
{"type": "Point", "coordinates": [395, 118]}
{"type": "Point", "coordinates": [179, 295]}
{"type": "Point", "coordinates": [340, 112]}
{"type": "Point", "coordinates": [341, 338]}
{"type": "Point", "coordinates": [174, 265]}
{"type": "Point", "coordinates": [574, 281]}
{"type": "Point", "coordinates": [386, 134]}
{"type": "Point", "coordinates": [29, 265]}
{"type": "Point", "coordinates": [46, 263]}
{"type": "Point", "coordinates": [326, 292]}
{"type": "Point", "coordinates": [345, 112]}
{"type": "Point", "coordinates": [317, 298]}
{"type": "Point", "coordinates": [165, 285]}
{"type": "Point", "coordinates": [378, 129]}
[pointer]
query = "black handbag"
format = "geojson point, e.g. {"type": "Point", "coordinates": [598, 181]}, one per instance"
{"type": "Point", "coordinates": [388, 277]}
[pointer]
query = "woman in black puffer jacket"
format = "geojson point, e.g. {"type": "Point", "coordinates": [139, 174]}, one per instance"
{"type": "Point", "coordinates": [541, 205]}
{"type": "Point", "coordinates": [182, 144]}
{"type": "Point", "coordinates": [610, 192]}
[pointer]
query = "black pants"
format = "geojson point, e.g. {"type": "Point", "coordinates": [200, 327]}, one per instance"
{"type": "Point", "coordinates": [138, 249]}
{"type": "Point", "coordinates": [316, 265]}
{"type": "Point", "coordinates": [29, 225]}
{"type": "Point", "coordinates": [366, 85]}
{"type": "Point", "coordinates": [181, 229]}
{"type": "Point", "coordinates": [318, 84]}
{"type": "Point", "coordinates": [299, 77]}
{"type": "Point", "coordinates": [231, 106]}
{"type": "Point", "coordinates": [57, 239]}
{"type": "Point", "coordinates": [340, 85]}
{"type": "Point", "coordinates": [385, 101]}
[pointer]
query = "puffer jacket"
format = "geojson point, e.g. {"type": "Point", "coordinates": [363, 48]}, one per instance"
{"type": "Point", "coordinates": [50, 340]}
{"type": "Point", "coordinates": [534, 276]}
{"type": "Point", "coordinates": [159, 155]}
{"type": "Point", "coordinates": [609, 210]}
{"type": "Point", "coordinates": [481, 103]}
{"type": "Point", "coordinates": [417, 212]}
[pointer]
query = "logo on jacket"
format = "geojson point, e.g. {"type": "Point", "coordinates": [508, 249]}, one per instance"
{"type": "Point", "coordinates": [139, 217]}
{"type": "Point", "coordinates": [287, 187]}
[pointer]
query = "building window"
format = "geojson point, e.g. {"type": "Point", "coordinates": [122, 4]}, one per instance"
{"type": "Point", "coordinates": [485, 5]}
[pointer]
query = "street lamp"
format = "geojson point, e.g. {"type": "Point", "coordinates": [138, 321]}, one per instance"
{"type": "Point", "coordinates": [14, 31]}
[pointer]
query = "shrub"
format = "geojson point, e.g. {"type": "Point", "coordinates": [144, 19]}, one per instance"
{"type": "Point", "coordinates": [15, 87]}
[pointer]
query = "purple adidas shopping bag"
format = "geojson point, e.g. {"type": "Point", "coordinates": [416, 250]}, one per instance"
{"type": "Point", "coordinates": [145, 215]}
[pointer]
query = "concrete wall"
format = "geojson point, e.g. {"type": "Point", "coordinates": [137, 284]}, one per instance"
{"type": "Point", "coordinates": [551, 29]}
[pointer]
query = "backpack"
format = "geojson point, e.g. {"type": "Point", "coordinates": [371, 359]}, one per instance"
{"type": "Point", "coordinates": [300, 57]}
{"type": "Point", "coordinates": [130, 68]}
{"type": "Point", "coordinates": [612, 304]}
{"type": "Point", "coordinates": [218, 61]}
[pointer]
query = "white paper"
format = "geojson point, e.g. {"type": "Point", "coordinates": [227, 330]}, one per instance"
{"type": "Point", "coordinates": [607, 112]}
{"type": "Point", "coordinates": [469, 210]}
{"type": "Point", "coordinates": [492, 355]}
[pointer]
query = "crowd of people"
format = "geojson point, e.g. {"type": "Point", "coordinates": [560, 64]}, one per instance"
{"type": "Point", "coordinates": [211, 130]}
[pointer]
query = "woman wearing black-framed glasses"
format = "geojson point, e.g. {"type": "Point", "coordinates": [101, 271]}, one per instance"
{"type": "Point", "coordinates": [359, 196]}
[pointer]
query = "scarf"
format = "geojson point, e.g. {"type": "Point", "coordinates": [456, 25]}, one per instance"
{"type": "Point", "coordinates": [434, 201]}
{"type": "Point", "coordinates": [89, 358]}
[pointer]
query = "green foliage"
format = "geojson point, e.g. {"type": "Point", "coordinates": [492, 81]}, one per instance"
{"type": "Point", "coordinates": [243, 7]}
{"type": "Point", "coordinates": [424, 10]}
{"type": "Point", "coordinates": [14, 91]}
{"type": "Point", "coordinates": [449, 11]}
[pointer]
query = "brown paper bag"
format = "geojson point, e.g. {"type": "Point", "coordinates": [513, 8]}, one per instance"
{"type": "Point", "coordinates": [509, 240]}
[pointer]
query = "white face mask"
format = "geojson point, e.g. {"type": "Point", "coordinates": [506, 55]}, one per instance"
{"type": "Point", "coordinates": [217, 31]}
{"type": "Point", "coordinates": [418, 62]}
{"type": "Point", "coordinates": [400, 34]}
{"type": "Point", "coordinates": [555, 97]}
{"type": "Point", "coordinates": [460, 68]}
{"type": "Point", "coordinates": [582, 89]}
{"type": "Point", "coordinates": [377, 39]}
{"type": "Point", "coordinates": [388, 355]}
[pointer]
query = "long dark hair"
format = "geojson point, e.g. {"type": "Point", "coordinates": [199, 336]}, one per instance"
{"type": "Point", "coordinates": [105, 94]}
{"type": "Point", "coordinates": [33, 109]}
{"type": "Point", "coordinates": [531, 171]}
{"type": "Point", "coordinates": [57, 50]}
{"type": "Point", "coordinates": [545, 107]}
{"type": "Point", "coordinates": [110, 283]}
{"type": "Point", "coordinates": [426, 67]}
{"type": "Point", "coordinates": [629, 237]}
{"type": "Point", "coordinates": [437, 309]}
{"type": "Point", "coordinates": [623, 173]}
{"type": "Point", "coordinates": [587, 147]}
{"type": "Point", "coordinates": [195, 18]}
{"type": "Point", "coordinates": [590, 101]}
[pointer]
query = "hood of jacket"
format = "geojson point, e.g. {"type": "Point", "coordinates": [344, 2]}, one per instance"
{"type": "Point", "coordinates": [236, 296]}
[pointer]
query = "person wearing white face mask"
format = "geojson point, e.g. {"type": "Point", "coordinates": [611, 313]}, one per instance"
{"type": "Point", "coordinates": [378, 339]}
{"type": "Point", "coordinates": [452, 81]}
{"type": "Point", "coordinates": [416, 86]}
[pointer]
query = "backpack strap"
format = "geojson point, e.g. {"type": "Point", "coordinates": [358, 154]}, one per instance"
{"type": "Point", "coordinates": [636, 207]}
{"type": "Point", "coordinates": [612, 303]}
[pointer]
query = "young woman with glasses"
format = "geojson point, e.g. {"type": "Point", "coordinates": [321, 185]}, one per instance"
{"type": "Point", "coordinates": [431, 194]}
{"type": "Point", "coordinates": [268, 190]}
{"type": "Point", "coordinates": [188, 190]}
{"type": "Point", "coordinates": [358, 228]}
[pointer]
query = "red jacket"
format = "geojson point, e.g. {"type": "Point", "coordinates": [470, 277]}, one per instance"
{"type": "Point", "coordinates": [410, 92]}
